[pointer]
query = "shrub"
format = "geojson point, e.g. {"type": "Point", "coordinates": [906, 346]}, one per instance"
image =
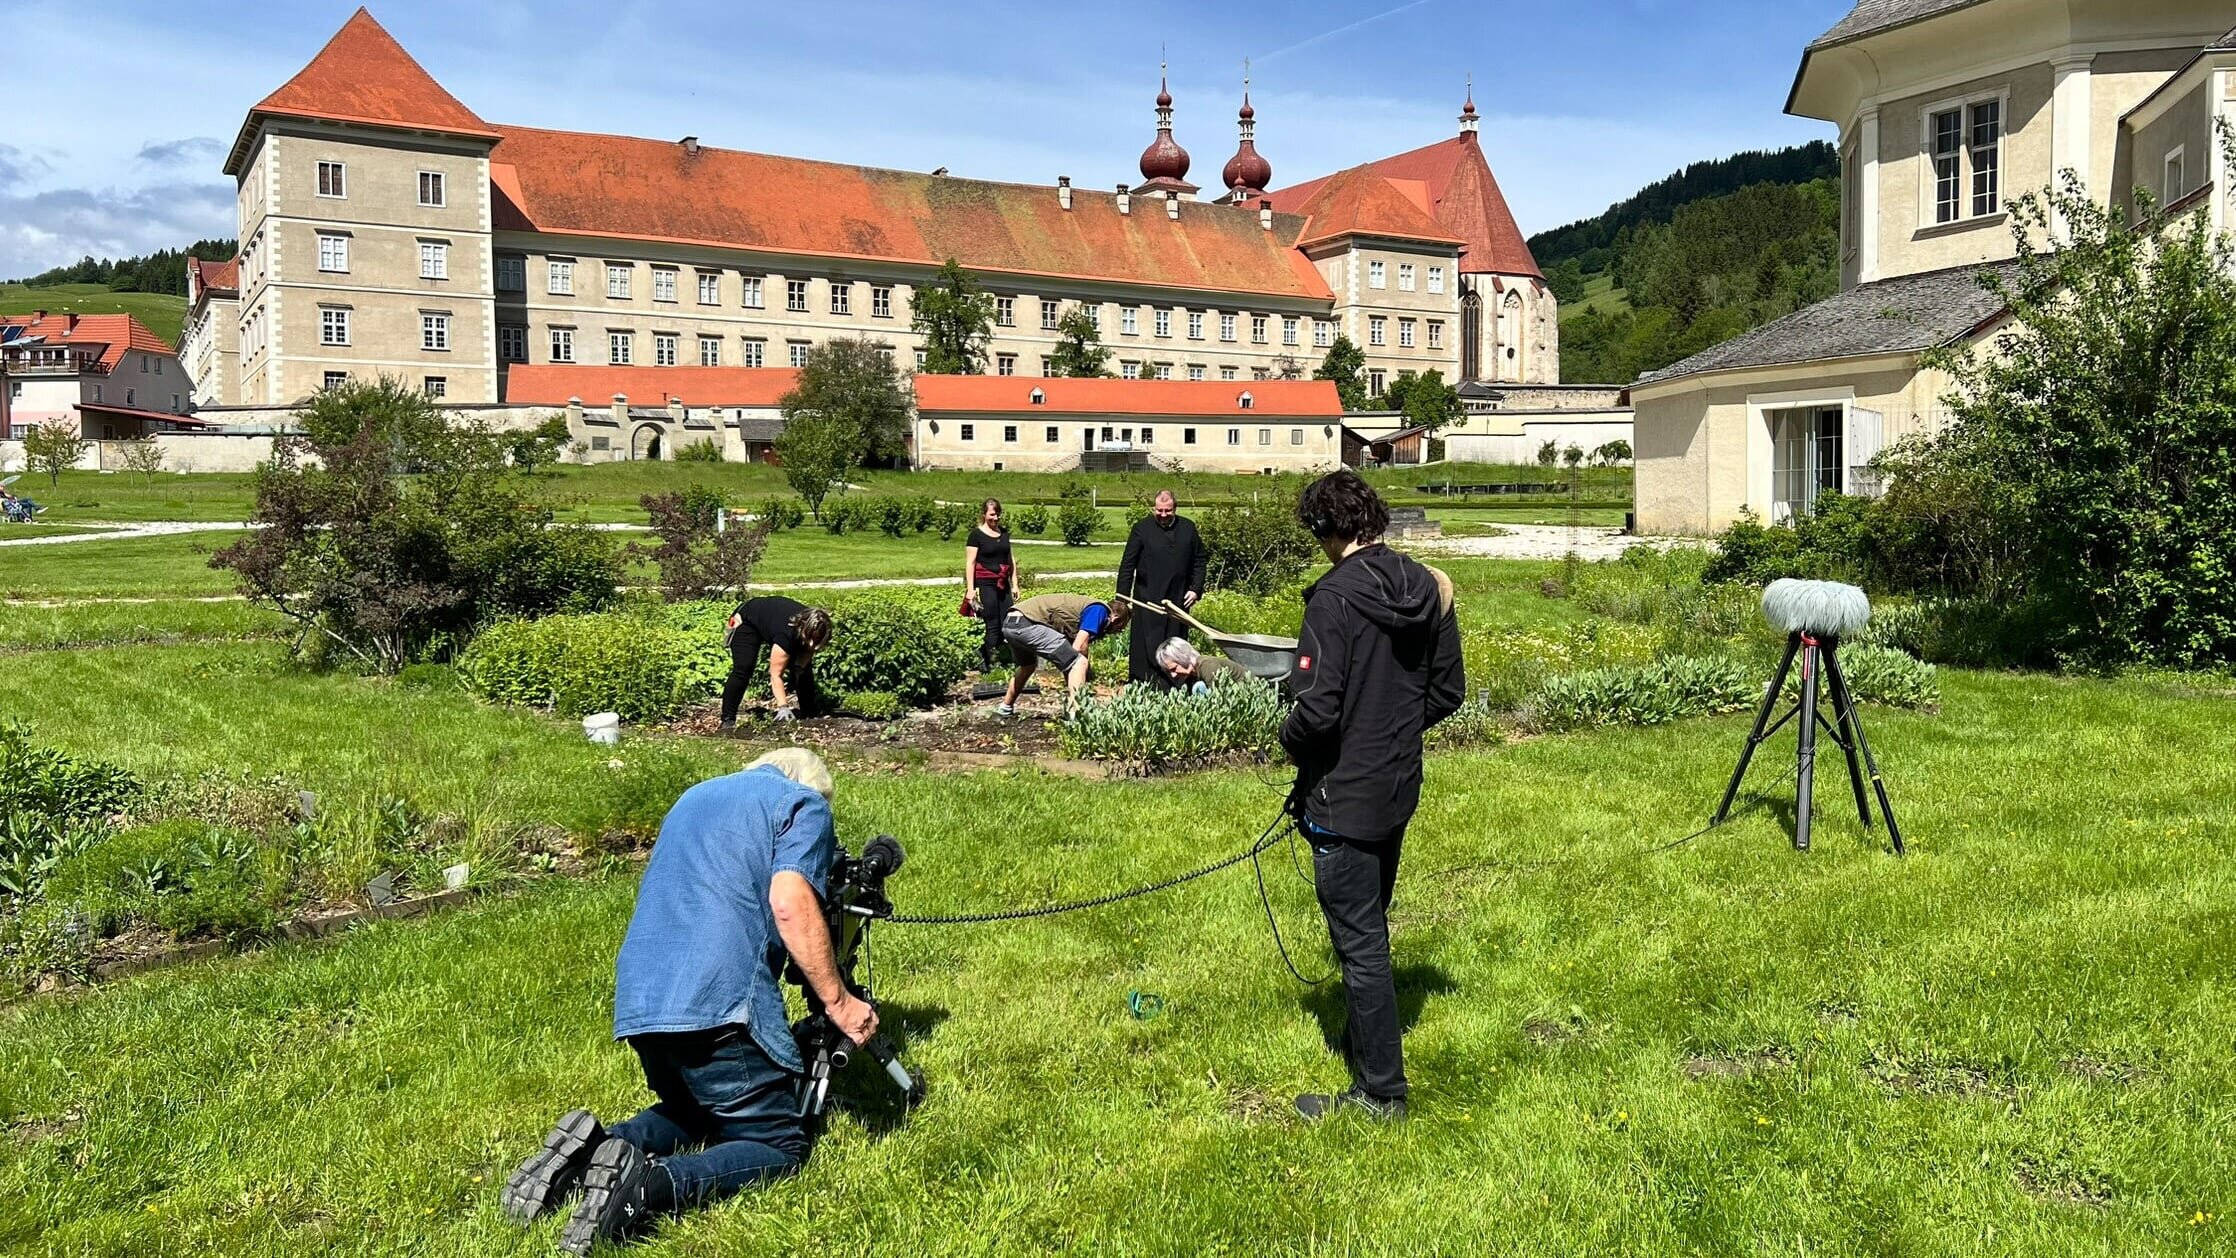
{"type": "Point", "coordinates": [705, 451]}
{"type": "Point", "coordinates": [912, 648]}
{"type": "Point", "coordinates": [1255, 544]}
{"type": "Point", "coordinates": [1077, 521]}
{"type": "Point", "coordinates": [1966, 632]}
{"type": "Point", "coordinates": [1830, 543]}
{"type": "Point", "coordinates": [1033, 519]}
{"type": "Point", "coordinates": [849, 515]}
{"type": "Point", "coordinates": [697, 554]}
{"type": "Point", "coordinates": [950, 518]}
{"type": "Point", "coordinates": [1153, 729]}
{"type": "Point", "coordinates": [781, 513]}
{"type": "Point", "coordinates": [624, 662]}
{"type": "Point", "coordinates": [51, 805]}
{"type": "Point", "coordinates": [889, 514]}
{"type": "Point", "coordinates": [1883, 675]}
{"type": "Point", "coordinates": [1646, 694]}
{"type": "Point", "coordinates": [872, 705]}
{"type": "Point", "coordinates": [918, 513]}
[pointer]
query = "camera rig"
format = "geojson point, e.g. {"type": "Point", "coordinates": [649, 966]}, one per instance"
{"type": "Point", "coordinates": [856, 899]}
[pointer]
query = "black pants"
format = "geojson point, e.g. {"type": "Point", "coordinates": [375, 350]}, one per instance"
{"type": "Point", "coordinates": [993, 604]}
{"type": "Point", "coordinates": [745, 663]}
{"type": "Point", "coordinates": [1354, 882]}
{"type": "Point", "coordinates": [1149, 631]}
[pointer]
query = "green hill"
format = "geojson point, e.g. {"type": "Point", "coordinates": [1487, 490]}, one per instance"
{"type": "Point", "coordinates": [160, 311]}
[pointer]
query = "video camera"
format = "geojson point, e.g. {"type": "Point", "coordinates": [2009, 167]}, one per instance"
{"type": "Point", "coordinates": [856, 899]}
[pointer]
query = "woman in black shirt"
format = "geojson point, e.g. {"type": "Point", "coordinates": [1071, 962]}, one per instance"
{"type": "Point", "coordinates": [793, 632]}
{"type": "Point", "coordinates": [989, 578]}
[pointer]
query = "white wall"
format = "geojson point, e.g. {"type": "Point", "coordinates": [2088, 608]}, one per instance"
{"type": "Point", "coordinates": [1590, 430]}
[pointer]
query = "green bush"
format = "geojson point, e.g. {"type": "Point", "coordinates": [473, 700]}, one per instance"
{"type": "Point", "coordinates": [51, 805]}
{"type": "Point", "coordinates": [872, 705]}
{"type": "Point", "coordinates": [1645, 694]}
{"type": "Point", "coordinates": [1077, 521]}
{"type": "Point", "coordinates": [911, 647]}
{"type": "Point", "coordinates": [1883, 675]}
{"type": "Point", "coordinates": [184, 876]}
{"type": "Point", "coordinates": [781, 513]}
{"type": "Point", "coordinates": [1255, 544]}
{"type": "Point", "coordinates": [1153, 729]}
{"type": "Point", "coordinates": [1506, 668]}
{"type": "Point", "coordinates": [1830, 543]}
{"type": "Point", "coordinates": [1966, 632]}
{"type": "Point", "coordinates": [918, 513]}
{"type": "Point", "coordinates": [636, 665]}
{"type": "Point", "coordinates": [847, 514]}
{"type": "Point", "coordinates": [1032, 519]}
{"type": "Point", "coordinates": [950, 518]}
{"type": "Point", "coordinates": [708, 450]}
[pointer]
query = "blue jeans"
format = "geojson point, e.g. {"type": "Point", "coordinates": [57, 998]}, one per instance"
{"type": "Point", "coordinates": [717, 1089]}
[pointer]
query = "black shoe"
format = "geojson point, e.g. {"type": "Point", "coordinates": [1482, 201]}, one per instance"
{"type": "Point", "coordinates": [555, 1171]}
{"type": "Point", "coordinates": [623, 1195]}
{"type": "Point", "coordinates": [1317, 1105]}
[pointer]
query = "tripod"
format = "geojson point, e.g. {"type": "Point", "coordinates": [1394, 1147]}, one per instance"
{"type": "Point", "coordinates": [857, 899]}
{"type": "Point", "coordinates": [1820, 664]}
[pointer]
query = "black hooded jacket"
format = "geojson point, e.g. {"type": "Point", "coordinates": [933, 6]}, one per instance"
{"type": "Point", "coordinates": [1378, 663]}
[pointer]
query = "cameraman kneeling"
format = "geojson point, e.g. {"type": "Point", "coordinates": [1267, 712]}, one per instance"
{"type": "Point", "coordinates": [732, 889]}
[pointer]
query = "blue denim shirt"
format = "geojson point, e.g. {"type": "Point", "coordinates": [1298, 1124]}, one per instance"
{"type": "Point", "coordinates": [702, 949]}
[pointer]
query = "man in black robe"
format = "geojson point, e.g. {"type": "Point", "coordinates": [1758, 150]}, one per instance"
{"type": "Point", "coordinates": [1164, 559]}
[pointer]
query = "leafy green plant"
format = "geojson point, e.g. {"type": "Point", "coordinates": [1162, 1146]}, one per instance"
{"type": "Point", "coordinates": [950, 518]}
{"type": "Point", "coordinates": [872, 705]}
{"type": "Point", "coordinates": [1883, 675]}
{"type": "Point", "coordinates": [1077, 521]}
{"type": "Point", "coordinates": [1032, 519]}
{"type": "Point", "coordinates": [1156, 729]}
{"type": "Point", "coordinates": [184, 876]}
{"type": "Point", "coordinates": [909, 648]}
{"type": "Point", "coordinates": [1255, 544]}
{"type": "Point", "coordinates": [51, 804]}
{"type": "Point", "coordinates": [708, 450]}
{"type": "Point", "coordinates": [781, 513]}
{"type": "Point", "coordinates": [624, 662]}
{"type": "Point", "coordinates": [1645, 694]}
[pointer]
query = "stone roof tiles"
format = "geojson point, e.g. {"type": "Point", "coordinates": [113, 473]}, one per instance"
{"type": "Point", "coordinates": [1870, 17]}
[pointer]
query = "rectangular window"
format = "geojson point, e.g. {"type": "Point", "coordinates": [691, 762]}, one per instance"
{"type": "Point", "coordinates": [1009, 432]}
{"type": "Point", "coordinates": [1005, 311]}
{"type": "Point", "coordinates": [710, 288]}
{"type": "Point", "coordinates": [1164, 323]}
{"type": "Point", "coordinates": [560, 277]}
{"type": "Point", "coordinates": [1049, 314]}
{"type": "Point", "coordinates": [798, 352]}
{"type": "Point", "coordinates": [1288, 330]}
{"type": "Point", "coordinates": [1050, 435]}
{"type": "Point", "coordinates": [331, 180]}
{"type": "Point", "coordinates": [1129, 370]}
{"type": "Point", "coordinates": [1257, 329]}
{"type": "Point", "coordinates": [754, 353]}
{"type": "Point", "coordinates": [751, 285]}
{"type": "Point", "coordinates": [1948, 160]}
{"type": "Point", "coordinates": [562, 345]}
{"type": "Point", "coordinates": [431, 188]}
{"type": "Point", "coordinates": [1296, 436]}
{"type": "Point", "coordinates": [710, 351]}
{"type": "Point", "coordinates": [1164, 371]}
{"type": "Point", "coordinates": [1436, 279]}
{"type": "Point", "coordinates": [663, 283]}
{"type": "Point", "coordinates": [1405, 277]}
{"type": "Point", "coordinates": [2174, 185]}
{"type": "Point", "coordinates": [1376, 330]}
{"type": "Point", "coordinates": [333, 326]}
{"type": "Point", "coordinates": [434, 386]}
{"type": "Point", "coordinates": [512, 274]}
{"type": "Point", "coordinates": [970, 432]}
{"type": "Point", "coordinates": [1987, 152]}
{"type": "Point", "coordinates": [1323, 334]}
{"type": "Point", "coordinates": [1806, 458]}
{"type": "Point", "coordinates": [1187, 436]}
{"type": "Point", "coordinates": [1047, 365]}
{"type": "Point", "coordinates": [1005, 364]}
{"type": "Point", "coordinates": [434, 331]}
{"type": "Point", "coordinates": [1265, 436]}
{"type": "Point", "coordinates": [1375, 380]}
{"type": "Point", "coordinates": [434, 260]}
{"type": "Point", "coordinates": [1129, 320]}
{"type": "Point", "coordinates": [621, 348]}
{"type": "Point", "coordinates": [1195, 371]}
{"type": "Point", "coordinates": [1234, 436]}
{"type": "Point", "coordinates": [1230, 373]}
{"type": "Point", "coordinates": [1436, 334]}
{"type": "Point", "coordinates": [1195, 325]}
{"type": "Point", "coordinates": [1148, 436]}
{"type": "Point", "coordinates": [330, 380]}
{"type": "Point", "coordinates": [333, 252]}
{"type": "Point", "coordinates": [665, 347]}
{"type": "Point", "coordinates": [1226, 327]}
{"type": "Point", "coordinates": [617, 281]}
{"type": "Point", "coordinates": [512, 343]}
{"type": "Point", "coordinates": [1260, 373]}
{"type": "Point", "coordinates": [795, 296]}
{"type": "Point", "coordinates": [881, 301]}
{"type": "Point", "coordinates": [1405, 334]}
{"type": "Point", "coordinates": [1375, 276]}
{"type": "Point", "coordinates": [842, 297]}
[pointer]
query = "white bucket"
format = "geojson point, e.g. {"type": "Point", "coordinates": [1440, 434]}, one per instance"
{"type": "Point", "coordinates": [603, 728]}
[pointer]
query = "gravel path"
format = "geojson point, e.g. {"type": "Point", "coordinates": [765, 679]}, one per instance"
{"type": "Point", "coordinates": [119, 531]}
{"type": "Point", "coordinates": [1548, 541]}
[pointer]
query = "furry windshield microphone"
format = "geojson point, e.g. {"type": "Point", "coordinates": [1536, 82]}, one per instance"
{"type": "Point", "coordinates": [1821, 609]}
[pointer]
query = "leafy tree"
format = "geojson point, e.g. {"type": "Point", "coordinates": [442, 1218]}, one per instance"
{"type": "Point", "coordinates": [697, 556]}
{"type": "Point", "coordinates": [1548, 454]}
{"type": "Point", "coordinates": [1346, 366]}
{"type": "Point", "coordinates": [53, 447]}
{"type": "Point", "coordinates": [1079, 348]}
{"type": "Point", "coordinates": [816, 451]}
{"type": "Point", "coordinates": [1567, 280]}
{"type": "Point", "coordinates": [539, 446]}
{"type": "Point", "coordinates": [1424, 398]}
{"type": "Point", "coordinates": [956, 319]}
{"type": "Point", "coordinates": [1612, 453]}
{"type": "Point", "coordinates": [1573, 456]}
{"type": "Point", "coordinates": [853, 380]}
{"type": "Point", "coordinates": [392, 535]}
{"type": "Point", "coordinates": [1592, 239]}
{"type": "Point", "coordinates": [143, 458]}
{"type": "Point", "coordinates": [1255, 544]}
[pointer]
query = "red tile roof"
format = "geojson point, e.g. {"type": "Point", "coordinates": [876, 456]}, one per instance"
{"type": "Point", "coordinates": [1362, 202]}
{"type": "Point", "coordinates": [1466, 197]}
{"type": "Point", "coordinates": [1207, 398]}
{"type": "Point", "coordinates": [551, 384]}
{"type": "Point", "coordinates": [363, 75]}
{"type": "Point", "coordinates": [114, 333]}
{"type": "Point", "coordinates": [140, 412]}
{"type": "Point", "coordinates": [212, 279]}
{"type": "Point", "coordinates": [595, 185]}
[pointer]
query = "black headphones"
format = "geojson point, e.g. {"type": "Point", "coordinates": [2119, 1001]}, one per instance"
{"type": "Point", "coordinates": [1319, 526]}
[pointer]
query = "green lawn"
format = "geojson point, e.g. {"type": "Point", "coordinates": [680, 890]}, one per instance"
{"type": "Point", "coordinates": [33, 627]}
{"type": "Point", "coordinates": [1600, 294]}
{"type": "Point", "coordinates": [163, 313]}
{"type": "Point", "coordinates": [178, 564]}
{"type": "Point", "coordinates": [2012, 1042]}
{"type": "Point", "coordinates": [187, 496]}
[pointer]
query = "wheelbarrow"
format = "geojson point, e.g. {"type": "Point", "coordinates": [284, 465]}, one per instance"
{"type": "Point", "coordinates": [1262, 655]}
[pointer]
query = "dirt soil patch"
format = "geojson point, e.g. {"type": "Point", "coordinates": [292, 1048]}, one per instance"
{"type": "Point", "coordinates": [2046, 1182]}
{"type": "Point", "coordinates": [1740, 1065]}
{"type": "Point", "coordinates": [1928, 1076]}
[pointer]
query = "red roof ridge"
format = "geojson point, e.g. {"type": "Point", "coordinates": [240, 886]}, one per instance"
{"type": "Point", "coordinates": [362, 75]}
{"type": "Point", "coordinates": [1361, 201]}
{"type": "Point", "coordinates": [1465, 196]}
{"type": "Point", "coordinates": [116, 333]}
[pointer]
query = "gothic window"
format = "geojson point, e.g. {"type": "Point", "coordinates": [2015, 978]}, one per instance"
{"type": "Point", "coordinates": [1471, 336]}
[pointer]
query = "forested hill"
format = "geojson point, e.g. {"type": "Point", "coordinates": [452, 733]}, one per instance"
{"type": "Point", "coordinates": [1660, 200]}
{"type": "Point", "coordinates": [163, 271]}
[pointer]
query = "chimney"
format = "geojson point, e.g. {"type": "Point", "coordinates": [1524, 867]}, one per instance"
{"type": "Point", "coordinates": [72, 325]}
{"type": "Point", "coordinates": [675, 409]}
{"type": "Point", "coordinates": [1172, 208]}
{"type": "Point", "coordinates": [37, 315]}
{"type": "Point", "coordinates": [1125, 203]}
{"type": "Point", "coordinates": [690, 146]}
{"type": "Point", "coordinates": [1265, 214]}
{"type": "Point", "coordinates": [621, 409]}
{"type": "Point", "coordinates": [1063, 191]}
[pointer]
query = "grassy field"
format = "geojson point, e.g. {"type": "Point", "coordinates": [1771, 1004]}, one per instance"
{"type": "Point", "coordinates": [117, 568]}
{"type": "Point", "coordinates": [2012, 1042]}
{"type": "Point", "coordinates": [164, 314]}
{"type": "Point", "coordinates": [1600, 294]}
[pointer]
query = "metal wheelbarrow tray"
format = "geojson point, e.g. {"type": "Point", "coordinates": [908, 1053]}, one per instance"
{"type": "Point", "coordinates": [1262, 654]}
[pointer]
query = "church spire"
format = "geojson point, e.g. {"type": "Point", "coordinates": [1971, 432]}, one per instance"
{"type": "Point", "coordinates": [1247, 174]}
{"type": "Point", "coordinates": [1467, 113]}
{"type": "Point", "coordinates": [1164, 164]}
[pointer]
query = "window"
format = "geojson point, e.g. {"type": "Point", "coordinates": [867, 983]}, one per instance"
{"type": "Point", "coordinates": [1187, 436]}
{"type": "Point", "coordinates": [333, 326]}
{"type": "Point", "coordinates": [970, 432]}
{"type": "Point", "coordinates": [1436, 279]}
{"type": "Point", "coordinates": [1374, 276]}
{"type": "Point", "coordinates": [333, 252]}
{"type": "Point", "coordinates": [1296, 436]}
{"type": "Point", "coordinates": [174, 401]}
{"type": "Point", "coordinates": [1377, 330]}
{"type": "Point", "coordinates": [1805, 458]}
{"type": "Point", "coordinates": [143, 364]}
{"type": "Point", "coordinates": [1230, 373]}
{"type": "Point", "coordinates": [158, 366]}
{"type": "Point", "coordinates": [1257, 329]}
{"type": "Point", "coordinates": [1234, 436]}
{"type": "Point", "coordinates": [1246, 402]}
{"type": "Point", "coordinates": [1164, 371]}
{"type": "Point", "coordinates": [1051, 435]}
{"type": "Point", "coordinates": [1288, 329]}
{"type": "Point", "coordinates": [710, 288]}
{"type": "Point", "coordinates": [331, 380]}
{"type": "Point", "coordinates": [1005, 364]}
{"type": "Point", "coordinates": [1265, 436]}
{"type": "Point", "coordinates": [1009, 432]}
{"type": "Point", "coordinates": [561, 277]}
{"type": "Point", "coordinates": [331, 181]}
{"type": "Point", "coordinates": [1129, 320]}
{"type": "Point", "coordinates": [431, 189]}
{"type": "Point", "coordinates": [797, 351]}
{"type": "Point", "coordinates": [1129, 370]}
{"type": "Point", "coordinates": [795, 295]}
{"type": "Point", "coordinates": [562, 345]}
{"type": "Point", "coordinates": [752, 290]}
{"type": "Point", "coordinates": [617, 280]}
{"type": "Point", "coordinates": [1405, 277]}
{"type": "Point", "coordinates": [434, 386]}
{"type": "Point", "coordinates": [1226, 327]}
{"type": "Point", "coordinates": [1005, 311]}
{"type": "Point", "coordinates": [1405, 334]}
{"type": "Point", "coordinates": [710, 351]}
{"type": "Point", "coordinates": [1195, 325]}
{"type": "Point", "coordinates": [1375, 380]}
{"type": "Point", "coordinates": [434, 331]}
{"type": "Point", "coordinates": [663, 283]}
{"type": "Point", "coordinates": [1047, 365]}
{"type": "Point", "coordinates": [1323, 334]}
{"type": "Point", "coordinates": [1195, 371]}
{"type": "Point", "coordinates": [434, 260]}
{"type": "Point", "coordinates": [1436, 334]}
{"type": "Point", "coordinates": [754, 353]}
{"type": "Point", "coordinates": [1987, 152]}
{"type": "Point", "coordinates": [664, 348]}
{"type": "Point", "coordinates": [512, 274]}
{"type": "Point", "coordinates": [1968, 137]}
{"type": "Point", "coordinates": [1260, 373]}
{"type": "Point", "coordinates": [1148, 436]}
{"type": "Point", "coordinates": [842, 297]}
{"type": "Point", "coordinates": [1048, 315]}
{"type": "Point", "coordinates": [512, 343]}
{"type": "Point", "coordinates": [621, 348]}
{"type": "Point", "coordinates": [1164, 323]}
{"type": "Point", "coordinates": [2174, 186]}
{"type": "Point", "coordinates": [881, 301]}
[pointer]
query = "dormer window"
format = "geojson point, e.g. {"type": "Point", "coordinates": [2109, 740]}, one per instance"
{"type": "Point", "coordinates": [1248, 401]}
{"type": "Point", "coordinates": [1039, 398]}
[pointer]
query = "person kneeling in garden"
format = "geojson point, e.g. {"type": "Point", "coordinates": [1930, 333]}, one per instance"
{"type": "Point", "coordinates": [734, 887]}
{"type": "Point", "coordinates": [793, 633]}
{"type": "Point", "coordinates": [1193, 671]}
{"type": "Point", "coordinates": [1058, 628]}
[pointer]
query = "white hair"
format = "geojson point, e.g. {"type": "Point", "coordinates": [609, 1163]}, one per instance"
{"type": "Point", "coordinates": [800, 765]}
{"type": "Point", "coordinates": [1825, 609]}
{"type": "Point", "coordinates": [1178, 652]}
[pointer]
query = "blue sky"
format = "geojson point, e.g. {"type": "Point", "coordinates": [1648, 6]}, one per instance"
{"type": "Point", "coordinates": [1583, 101]}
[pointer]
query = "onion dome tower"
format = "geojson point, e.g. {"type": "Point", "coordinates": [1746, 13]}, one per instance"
{"type": "Point", "coordinates": [1467, 115]}
{"type": "Point", "coordinates": [1164, 164]}
{"type": "Point", "coordinates": [1247, 174]}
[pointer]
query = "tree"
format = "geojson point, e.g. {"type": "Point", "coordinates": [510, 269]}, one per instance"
{"type": "Point", "coordinates": [1287, 367]}
{"type": "Point", "coordinates": [1346, 366]}
{"type": "Point", "coordinates": [1079, 348]}
{"type": "Point", "coordinates": [1548, 454]}
{"type": "Point", "coordinates": [1573, 456]}
{"type": "Point", "coordinates": [816, 451]}
{"type": "Point", "coordinates": [144, 458]}
{"type": "Point", "coordinates": [853, 380]}
{"type": "Point", "coordinates": [956, 319]}
{"type": "Point", "coordinates": [53, 447]}
{"type": "Point", "coordinates": [1255, 544]}
{"type": "Point", "coordinates": [697, 556]}
{"type": "Point", "coordinates": [1424, 398]}
{"type": "Point", "coordinates": [1613, 453]}
{"type": "Point", "coordinates": [539, 446]}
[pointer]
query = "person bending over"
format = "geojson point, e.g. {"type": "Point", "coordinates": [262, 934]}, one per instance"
{"type": "Point", "coordinates": [1195, 672]}
{"type": "Point", "coordinates": [1058, 628]}
{"type": "Point", "coordinates": [733, 889]}
{"type": "Point", "coordinates": [1378, 663]}
{"type": "Point", "coordinates": [793, 633]}
{"type": "Point", "coordinates": [989, 577]}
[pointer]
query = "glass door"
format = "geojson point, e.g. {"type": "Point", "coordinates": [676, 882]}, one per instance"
{"type": "Point", "coordinates": [1806, 459]}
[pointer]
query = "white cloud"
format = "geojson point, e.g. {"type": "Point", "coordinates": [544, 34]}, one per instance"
{"type": "Point", "coordinates": [44, 229]}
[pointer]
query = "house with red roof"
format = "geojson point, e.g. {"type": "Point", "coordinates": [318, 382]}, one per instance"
{"type": "Point", "coordinates": [210, 341]}
{"type": "Point", "coordinates": [108, 376]}
{"type": "Point", "coordinates": [1031, 423]}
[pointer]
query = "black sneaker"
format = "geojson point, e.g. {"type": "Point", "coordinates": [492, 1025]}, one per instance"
{"type": "Point", "coordinates": [623, 1195]}
{"type": "Point", "coordinates": [554, 1171]}
{"type": "Point", "coordinates": [1317, 1105]}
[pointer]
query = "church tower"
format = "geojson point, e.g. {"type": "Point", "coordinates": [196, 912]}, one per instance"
{"type": "Point", "coordinates": [1246, 174]}
{"type": "Point", "coordinates": [1164, 164]}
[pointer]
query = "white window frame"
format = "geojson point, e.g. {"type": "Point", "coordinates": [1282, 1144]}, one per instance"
{"type": "Point", "coordinates": [710, 288]}
{"type": "Point", "coordinates": [710, 351]}
{"type": "Point", "coordinates": [1226, 326]}
{"type": "Point", "coordinates": [1051, 313]}
{"type": "Point", "coordinates": [326, 380]}
{"type": "Point", "coordinates": [333, 325]}
{"type": "Point", "coordinates": [1230, 372]}
{"type": "Point", "coordinates": [434, 260]}
{"type": "Point", "coordinates": [1377, 275]}
{"type": "Point", "coordinates": [1377, 330]}
{"type": "Point", "coordinates": [749, 294]}
{"type": "Point", "coordinates": [1195, 371]}
{"type": "Point", "coordinates": [664, 278]}
{"type": "Point", "coordinates": [2174, 174]}
{"type": "Point", "coordinates": [1436, 279]}
{"type": "Point", "coordinates": [561, 342]}
{"type": "Point", "coordinates": [1405, 277]}
{"type": "Point", "coordinates": [434, 388]}
{"type": "Point", "coordinates": [1405, 333]}
{"type": "Point", "coordinates": [1259, 329]}
{"type": "Point", "coordinates": [433, 179]}
{"type": "Point", "coordinates": [1005, 364]}
{"type": "Point", "coordinates": [1323, 333]}
{"type": "Point", "coordinates": [1005, 312]}
{"type": "Point", "coordinates": [796, 352]}
{"type": "Point", "coordinates": [881, 301]}
{"type": "Point", "coordinates": [434, 331]}
{"type": "Point", "coordinates": [620, 281]}
{"type": "Point", "coordinates": [667, 349]}
{"type": "Point", "coordinates": [1163, 321]}
{"type": "Point", "coordinates": [333, 253]}
{"type": "Point", "coordinates": [795, 296]}
{"type": "Point", "coordinates": [1966, 159]}
{"type": "Point", "coordinates": [842, 297]}
{"type": "Point", "coordinates": [333, 180]}
{"type": "Point", "coordinates": [1129, 320]}
{"type": "Point", "coordinates": [1129, 370]}
{"type": "Point", "coordinates": [1288, 329]}
{"type": "Point", "coordinates": [1164, 371]}
{"type": "Point", "coordinates": [1436, 334]}
{"type": "Point", "coordinates": [559, 277]}
{"type": "Point", "coordinates": [621, 347]}
{"type": "Point", "coordinates": [755, 352]}
{"type": "Point", "coordinates": [1195, 325]}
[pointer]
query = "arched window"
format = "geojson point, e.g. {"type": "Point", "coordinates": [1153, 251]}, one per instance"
{"type": "Point", "coordinates": [1248, 401]}
{"type": "Point", "coordinates": [1471, 336]}
{"type": "Point", "coordinates": [1510, 337]}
